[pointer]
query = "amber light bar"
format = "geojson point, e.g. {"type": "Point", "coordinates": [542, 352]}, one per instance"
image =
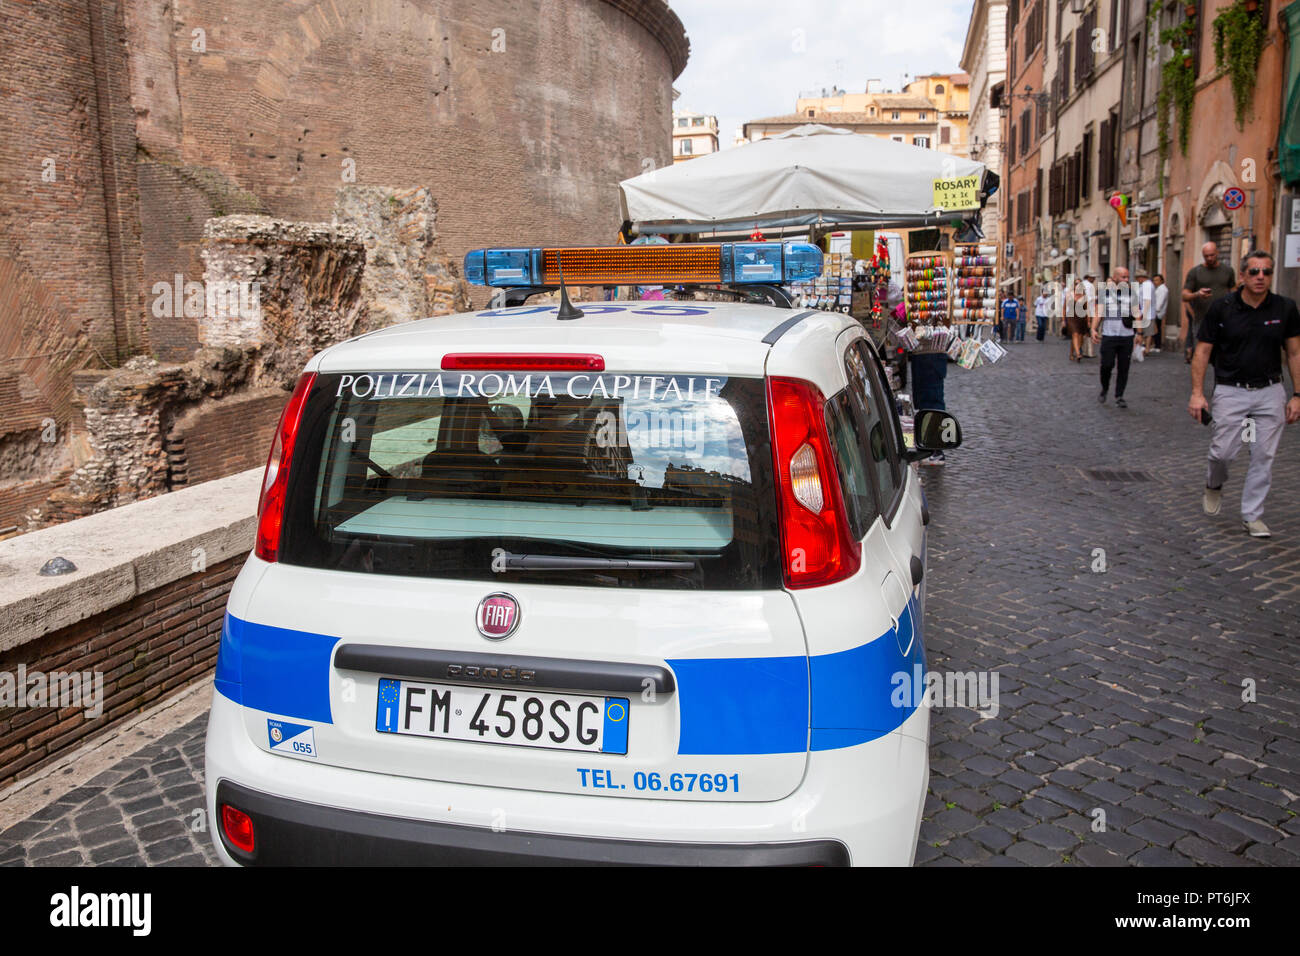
{"type": "Point", "coordinates": [628, 265]}
{"type": "Point", "coordinates": [728, 263]}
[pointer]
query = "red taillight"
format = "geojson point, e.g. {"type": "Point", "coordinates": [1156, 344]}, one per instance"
{"type": "Point", "coordinates": [817, 546]}
{"type": "Point", "coordinates": [270, 507]}
{"type": "Point", "coordinates": [238, 827]}
{"type": "Point", "coordinates": [523, 362]}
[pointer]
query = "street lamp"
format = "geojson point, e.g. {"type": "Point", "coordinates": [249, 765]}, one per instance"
{"type": "Point", "coordinates": [1041, 100]}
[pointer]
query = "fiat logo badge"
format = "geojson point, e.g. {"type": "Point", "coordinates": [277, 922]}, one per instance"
{"type": "Point", "coordinates": [498, 616]}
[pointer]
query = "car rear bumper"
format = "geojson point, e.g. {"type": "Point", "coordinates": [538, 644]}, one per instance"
{"type": "Point", "coordinates": [293, 833]}
{"type": "Point", "coordinates": [857, 805]}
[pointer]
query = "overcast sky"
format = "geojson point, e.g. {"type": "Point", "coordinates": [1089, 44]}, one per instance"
{"type": "Point", "coordinates": [746, 62]}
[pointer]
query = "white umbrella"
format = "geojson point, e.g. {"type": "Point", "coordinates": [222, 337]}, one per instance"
{"type": "Point", "coordinates": [812, 174]}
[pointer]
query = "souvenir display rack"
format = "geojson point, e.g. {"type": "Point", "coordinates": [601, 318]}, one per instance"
{"type": "Point", "coordinates": [975, 289]}
{"type": "Point", "coordinates": [927, 301]}
{"type": "Point", "coordinates": [947, 294]}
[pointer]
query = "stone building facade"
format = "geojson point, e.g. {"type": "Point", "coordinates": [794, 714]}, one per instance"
{"type": "Point", "coordinates": [984, 58]}
{"type": "Point", "coordinates": [1028, 121]}
{"type": "Point", "coordinates": [1220, 156]}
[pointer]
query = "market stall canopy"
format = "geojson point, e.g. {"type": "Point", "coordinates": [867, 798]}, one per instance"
{"type": "Point", "coordinates": [810, 175]}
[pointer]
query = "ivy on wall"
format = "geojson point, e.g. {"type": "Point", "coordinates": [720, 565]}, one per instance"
{"type": "Point", "coordinates": [1239, 36]}
{"type": "Point", "coordinates": [1177, 83]}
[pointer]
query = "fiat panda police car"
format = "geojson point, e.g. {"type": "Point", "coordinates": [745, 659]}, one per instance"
{"type": "Point", "coordinates": [628, 583]}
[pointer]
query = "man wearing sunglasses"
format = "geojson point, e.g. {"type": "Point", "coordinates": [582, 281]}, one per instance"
{"type": "Point", "coordinates": [1244, 334]}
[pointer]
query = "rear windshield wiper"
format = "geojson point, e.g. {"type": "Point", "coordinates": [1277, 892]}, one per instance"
{"type": "Point", "coordinates": [577, 562]}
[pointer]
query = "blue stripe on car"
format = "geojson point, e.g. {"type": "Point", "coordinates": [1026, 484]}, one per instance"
{"type": "Point", "coordinates": [729, 705]}
{"type": "Point", "coordinates": [275, 669]}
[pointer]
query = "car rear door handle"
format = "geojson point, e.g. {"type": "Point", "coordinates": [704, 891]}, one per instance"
{"type": "Point", "coordinates": [918, 571]}
{"type": "Point", "coordinates": [550, 673]}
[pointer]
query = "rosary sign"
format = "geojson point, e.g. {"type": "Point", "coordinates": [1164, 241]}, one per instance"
{"type": "Point", "coordinates": [961, 192]}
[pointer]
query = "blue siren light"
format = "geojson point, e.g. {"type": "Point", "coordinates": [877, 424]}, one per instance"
{"type": "Point", "coordinates": [728, 263]}
{"type": "Point", "coordinates": [502, 267]}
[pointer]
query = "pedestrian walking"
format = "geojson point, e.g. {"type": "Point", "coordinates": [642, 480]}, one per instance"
{"type": "Point", "coordinates": [1244, 334]}
{"type": "Point", "coordinates": [1090, 299]}
{"type": "Point", "coordinates": [1206, 283]}
{"type": "Point", "coordinates": [1042, 307]}
{"type": "Point", "coordinates": [1022, 318]}
{"type": "Point", "coordinates": [1007, 323]}
{"type": "Point", "coordinates": [1146, 291]}
{"type": "Point", "coordinates": [1160, 305]}
{"type": "Point", "coordinates": [1112, 328]}
{"type": "Point", "coordinates": [1077, 320]}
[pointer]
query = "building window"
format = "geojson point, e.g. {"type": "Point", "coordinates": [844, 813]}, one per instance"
{"type": "Point", "coordinates": [921, 141]}
{"type": "Point", "coordinates": [945, 135]}
{"type": "Point", "coordinates": [896, 138]}
{"type": "Point", "coordinates": [686, 147]}
{"type": "Point", "coordinates": [684, 121]}
{"type": "Point", "coordinates": [938, 88]}
{"type": "Point", "coordinates": [697, 121]}
{"type": "Point", "coordinates": [812, 112]}
{"type": "Point", "coordinates": [921, 115]}
{"type": "Point", "coordinates": [871, 111]}
{"type": "Point", "coordinates": [894, 115]}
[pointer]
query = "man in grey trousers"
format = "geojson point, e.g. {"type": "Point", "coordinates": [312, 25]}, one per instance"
{"type": "Point", "coordinates": [1244, 333]}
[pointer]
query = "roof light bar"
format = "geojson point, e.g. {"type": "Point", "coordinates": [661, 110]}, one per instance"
{"type": "Point", "coordinates": [727, 263]}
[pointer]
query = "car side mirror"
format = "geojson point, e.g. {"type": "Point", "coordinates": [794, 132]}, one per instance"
{"type": "Point", "coordinates": [934, 430]}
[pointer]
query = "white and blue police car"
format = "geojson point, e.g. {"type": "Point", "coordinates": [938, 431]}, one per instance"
{"type": "Point", "coordinates": [629, 583]}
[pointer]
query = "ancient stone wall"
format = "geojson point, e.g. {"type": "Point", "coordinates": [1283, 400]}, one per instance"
{"type": "Point", "coordinates": [307, 280]}
{"type": "Point", "coordinates": [130, 123]}
{"type": "Point", "coordinates": [407, 274]}
{"type": "Point", "coordinates": [128, 414]}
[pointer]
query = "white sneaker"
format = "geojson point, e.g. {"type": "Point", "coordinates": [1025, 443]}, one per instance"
{"type": "Point", "coordinates": [1257, 529]}
{"type": "Point", "coordinates": [1210, 501]}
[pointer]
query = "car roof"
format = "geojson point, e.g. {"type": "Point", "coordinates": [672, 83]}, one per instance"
{"type": "Point", "coordinates": [662, 336]}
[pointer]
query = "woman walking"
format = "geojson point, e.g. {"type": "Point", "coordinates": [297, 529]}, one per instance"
{"type": "Point", "coordinates": [1077, 320]}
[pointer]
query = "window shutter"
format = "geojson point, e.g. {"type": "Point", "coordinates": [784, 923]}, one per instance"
{"type": "Point", "coordinates": [1104, 180]}
{"type": "Point", "coordinates": [1082, 54]}
{"type": "Point", "coordinates": [1085, 166]}
{"type": "Point", "coordinates": [1063, 69]}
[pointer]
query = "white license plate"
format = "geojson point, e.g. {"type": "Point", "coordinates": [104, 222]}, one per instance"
{"type": "Point", "coordinates": [520, 717]}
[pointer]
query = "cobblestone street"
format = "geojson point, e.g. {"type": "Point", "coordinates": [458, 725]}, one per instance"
{"type": "Point", "coordinates": [1122, 736]}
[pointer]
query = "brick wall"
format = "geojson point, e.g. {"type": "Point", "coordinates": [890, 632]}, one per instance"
{"type": "Point", "coordinates": [146, 648]}
{"type": "Point", "coordinates": [19, 497]}
{"type": "Point", "coordinates": [223, 437]}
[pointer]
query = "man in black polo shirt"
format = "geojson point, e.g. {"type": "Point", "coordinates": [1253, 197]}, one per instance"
{"type": "Point", "coordinates": [1244, 334]}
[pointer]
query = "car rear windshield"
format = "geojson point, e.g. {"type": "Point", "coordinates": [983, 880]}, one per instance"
{"type": "Point", "coordinates": [486, 475]}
